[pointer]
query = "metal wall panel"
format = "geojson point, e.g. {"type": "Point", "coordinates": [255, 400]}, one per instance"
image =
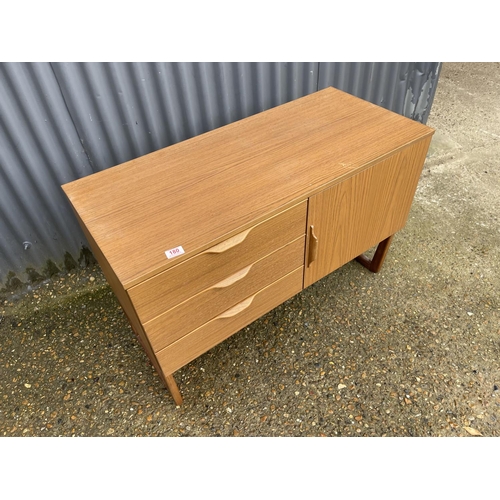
{"type": "Point", "coordinates": [39, 151]}
{"type": "Point", "coordinates": [405, 88]}
{"type": "Point", "coordinates": [62, 121]}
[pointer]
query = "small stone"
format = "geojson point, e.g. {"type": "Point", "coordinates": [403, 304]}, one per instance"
{"type": "Point", "coordinates": [110, 431]}
{"type": "Point", "coordinates": [341, 386]}
{"type": "Point", "coordinates": [28, 386]}
{"type": "Point", "coordinates": [472, 431]}
{"type": "Point", "coordinates": [92, 278]}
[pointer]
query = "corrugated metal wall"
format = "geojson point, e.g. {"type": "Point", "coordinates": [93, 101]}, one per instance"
{"type": "Point", "coordinates": [62, 121]}
{"type": "Point", "coordinates": [406, 88]}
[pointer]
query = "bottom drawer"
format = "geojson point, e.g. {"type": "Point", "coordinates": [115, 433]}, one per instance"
{"type": "Point", "coordinates": [229, 322]}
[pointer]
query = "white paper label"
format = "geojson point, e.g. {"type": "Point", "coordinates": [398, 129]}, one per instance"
{"type": "Point", "coordinates": [174, 252]}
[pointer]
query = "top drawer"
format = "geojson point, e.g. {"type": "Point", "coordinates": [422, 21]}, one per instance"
{"type": "Point", "coordinates": [167, 289]}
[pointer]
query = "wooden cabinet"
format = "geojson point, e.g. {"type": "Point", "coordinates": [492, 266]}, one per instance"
{"type": "Point", "coordinates": [201, 238]}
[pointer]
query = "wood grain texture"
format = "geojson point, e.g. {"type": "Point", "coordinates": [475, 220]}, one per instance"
{"type": "Point", "coordinates": [256, 167]}
{"type": "Point", "coordinates": [171, 287]}
{"type": "Point", "coordinates": [198, 310]}
{"type": "Point", "coordinates": [220, 328]}
{"type": "Point", "coordinates": [355, 215]}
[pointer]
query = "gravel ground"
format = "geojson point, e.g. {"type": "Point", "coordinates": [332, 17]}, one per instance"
{"type": "Point", "coordinates": [411, 351]}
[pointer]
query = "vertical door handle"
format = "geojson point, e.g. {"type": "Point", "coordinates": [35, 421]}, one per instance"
{"type": "Point", "coordinates": [313, 246]}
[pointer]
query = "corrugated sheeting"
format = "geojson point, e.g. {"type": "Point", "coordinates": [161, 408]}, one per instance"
{"type": "Point", "coordinates": [39, 150]}
{"type": "Point", "coordinates": [406, 88]}
{"type": "Point", "coordinates": [63, 121]}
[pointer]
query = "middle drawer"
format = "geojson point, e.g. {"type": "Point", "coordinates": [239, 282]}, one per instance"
{"type": "Point", "coordinates": [196, 311]}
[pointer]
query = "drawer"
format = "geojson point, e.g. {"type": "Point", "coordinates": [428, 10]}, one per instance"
{"type": "Point", "coordinates": [196, 311]}
{"type": "Point", "coordinates": [229, 322]}
{"type": "Point", "coordinates": [173, 286]}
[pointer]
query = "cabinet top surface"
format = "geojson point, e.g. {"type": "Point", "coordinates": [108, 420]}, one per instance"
{"type": "Point", "coordinates": [197, 192]}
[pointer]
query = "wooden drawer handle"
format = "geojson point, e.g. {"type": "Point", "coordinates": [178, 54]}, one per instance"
{"type": "Point", "coordinates": [237, 308]}
{"type": "Point", "coordinates": [233, 278]}
{"type": "Point", "coordinates": [313, 246]}
{"type": "Point", "coordinates": [230, 243]}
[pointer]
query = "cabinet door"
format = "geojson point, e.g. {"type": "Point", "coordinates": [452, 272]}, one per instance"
{"type": "Point", "coordinates": [354, 215]}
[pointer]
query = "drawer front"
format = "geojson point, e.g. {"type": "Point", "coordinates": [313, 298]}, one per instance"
{"type": "Point", "coordinates": [173, 286]}
{"type": "Point", "coordinates": [231, 321]}
{"type": "Point", "coordinates": [196, 311]}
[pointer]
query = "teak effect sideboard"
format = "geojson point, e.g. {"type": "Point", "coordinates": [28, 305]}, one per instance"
{"type": "Point", "coordinates": [201, 238]}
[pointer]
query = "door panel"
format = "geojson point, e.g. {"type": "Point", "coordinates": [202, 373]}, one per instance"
{"type": "Point", "coordinates": [356, 214]}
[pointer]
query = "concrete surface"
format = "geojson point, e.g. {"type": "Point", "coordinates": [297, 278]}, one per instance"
{"type": "Point", "coordinates": [411, 351]}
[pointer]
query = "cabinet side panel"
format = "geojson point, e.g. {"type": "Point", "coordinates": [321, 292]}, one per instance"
{"type": "Point", "coordinates": [358, 213]}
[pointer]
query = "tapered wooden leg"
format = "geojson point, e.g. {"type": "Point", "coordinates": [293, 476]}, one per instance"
{"type": "Point", "coordinates": [375, 264]}
{"type": "Point", "coordinates": [174, 390]}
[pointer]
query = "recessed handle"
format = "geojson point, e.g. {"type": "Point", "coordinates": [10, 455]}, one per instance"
{"type": "Point", "coordinates": [230, 243]}
{"type": "Point", "coordinates": [233, 278]}
{"type": "Point", "coordinates": [237, 308]}
{"type": "Point", "coordinates": [313, 246]}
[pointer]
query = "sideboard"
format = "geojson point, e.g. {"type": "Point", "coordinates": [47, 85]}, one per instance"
{"type": "Point", "coordinates": [201, 238]}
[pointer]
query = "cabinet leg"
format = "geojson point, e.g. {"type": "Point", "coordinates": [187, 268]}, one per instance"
{"type": "Point", "coordinates": [375, 264]}
{"type": "Point", "coordinates": [174, 390]}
